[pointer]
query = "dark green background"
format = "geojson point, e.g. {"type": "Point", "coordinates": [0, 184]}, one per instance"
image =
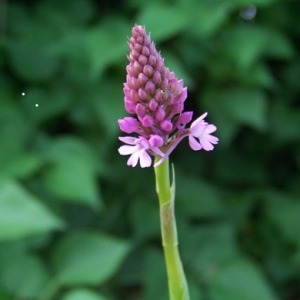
{"type": "Point", "coordinates": [76, 223]}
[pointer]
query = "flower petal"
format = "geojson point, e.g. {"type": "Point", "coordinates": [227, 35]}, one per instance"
{"type": "Point", "coordinates": [126, 150]}
{"type": "Point", "coordinates": [194, 144]}
{"type": "Point", "coordinates": [129, 140]}
{"type": "Point", "coordinates": [210, 128]}
{"type": "Point", "coordinates": [145, 159]}
{"type": "Point", "coordinates": [133, 159]}
{"type": "Point", "coordinates": [207, 146]}
{"type": "Point", "coordinates": [198, 122]}
{"type": "Point", "coordinates": [212, 139]}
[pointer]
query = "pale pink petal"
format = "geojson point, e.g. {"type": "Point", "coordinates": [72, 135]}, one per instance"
{"type": "Point", "coordinates": [198, 131]}
{"type": "Point", "coordinates": [126, 150]}
{"type": "Point", "coordinates": [200, 134]}
{"type": "Point", "coordinates": [206, 144]}
{"type": "Point", "coordinates": [210, 128]}
{"type": "Point", "coordinates": [129, 140]}
{"type": "Point", "coordinates": [213, 139]}
{"type": "Point", "coordinates": [194, 144]}
{"type": "Point", "coordinates": [138, 149]}
{"type": "Point", "coordinates": [145, 159]}
{"type": "Point", "coordinates": [198, 122]}
{"type": "Point", "coordinates": [133, 159]}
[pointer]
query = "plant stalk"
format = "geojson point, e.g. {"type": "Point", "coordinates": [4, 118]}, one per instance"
{"type": "Point", "coordinates": [178, 289]}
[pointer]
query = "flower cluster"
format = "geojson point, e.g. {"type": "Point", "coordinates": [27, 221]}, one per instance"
{"type": "Point", "coordinates": [155, 98]}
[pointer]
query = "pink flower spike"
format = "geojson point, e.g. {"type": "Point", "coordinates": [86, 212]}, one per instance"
{"type": "Point", "coordinates": [155, 98]}
{"type": "Point", "coordinates": [200, 135]}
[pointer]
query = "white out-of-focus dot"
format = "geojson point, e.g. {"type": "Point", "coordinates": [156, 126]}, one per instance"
{"type": "Point", "coordinates": [23, 94]}
{"type": "Point", "coordinates": [249, 12]}
{"type": "Point", "coordinates": [36, 105]}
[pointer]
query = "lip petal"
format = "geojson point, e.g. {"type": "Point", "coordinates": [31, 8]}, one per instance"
{"type": "Point", "coordinates": [133, 159]}
{"type": "Point", "coordinates": [145, 159]}
{"type": "Point", "coordinates": [194, 144]}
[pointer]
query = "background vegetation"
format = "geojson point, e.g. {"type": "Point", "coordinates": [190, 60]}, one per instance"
{"type": "Point", "coordinates": [76, 223]}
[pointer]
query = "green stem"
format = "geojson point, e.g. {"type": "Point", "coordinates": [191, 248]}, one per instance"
{"type": "Point", "coordinates": [178, 289]}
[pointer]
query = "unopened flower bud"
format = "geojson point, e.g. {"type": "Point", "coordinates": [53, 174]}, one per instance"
{"type": "Point", "coordinates": [166, 125]}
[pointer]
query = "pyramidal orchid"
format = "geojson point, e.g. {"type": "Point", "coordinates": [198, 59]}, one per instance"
{"type": "Point", "coordinates": [155, 99]}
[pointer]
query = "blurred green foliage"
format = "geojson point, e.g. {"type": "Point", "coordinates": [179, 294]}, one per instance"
{"type": "Point", "coordinates": [76, 223]}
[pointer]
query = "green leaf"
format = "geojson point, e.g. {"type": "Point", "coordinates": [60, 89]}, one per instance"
{"type": "Point", "coordinates": [145, 212]}
{"type": "Point", "coordinates": [31, 62]}
{"type": "Point", "coordinates": [239, 45]}
{"type": "Point", "coordinates": [80, 13]}
{"type": "Point", "coordinates": [284, 211]}
{"type": "Point", "coordinates": [21, 166]}
{"type": "Point", "coordinates": [244, 3]}
{"type": "Point", "coordinates": [67, 146]}
{"type": "Point", "coordinates": [88, 258]}
{"type": "Point", "coordinates": [208, 247]}
{"type": "Point", "coordinates": [240, 48]}
{"type": "Point", "coordinates": [83, 294]}
{"type": "Point", "coordinates": [155, 278]}
{"type": "Point", "coordinates": [235, 107]}
{"type": "Point", "coordinates": [163, 21]}
{"type": "Point", "coordinates": [247, 106]}
{"type": "Point", "coordinates": [22, 215]}
{"type": "Point", "coordinates": [72, 174]}
{"type": "Point", "coordinates": [51, 102]}
{"type": "Point", "coordinates": [206, 17]}
{"type": "Point", "coordinates": [177, 67]}
{"type": "Point", "coordinates": [25, 272]}
{"type": "Point", "coordinates": [73, 181]}
{"type": "Point", "coordinates": [205, 200]}
{"type": "Point", "coordinates": [110, 38]}
{"type": "Point", "coordinates": [240, 279]}
{"type": "Point", "coordinates": [9, 108]}
{"type": "Point", "coordinates": [232, 169]}
{"type": "Point", "coordinates": [258, 75]}
{"type": "Point", "coordinates": [284, 48]}
{"type": "Point", "coordinates": [285, 123]}
{"type": "Point", "coordinates": [15, 132]}
{"type": "Point", "coordinates": [13, 136]}
{"type": "Point", "coordinates": [109, 107]}
{"type": "Point", "coordinates": [4, 296]}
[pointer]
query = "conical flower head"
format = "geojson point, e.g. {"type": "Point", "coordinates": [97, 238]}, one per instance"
{"type": "Point", "coordinates": [152, 92]}
{"type": "Point", "coordinates": [155, 99]}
